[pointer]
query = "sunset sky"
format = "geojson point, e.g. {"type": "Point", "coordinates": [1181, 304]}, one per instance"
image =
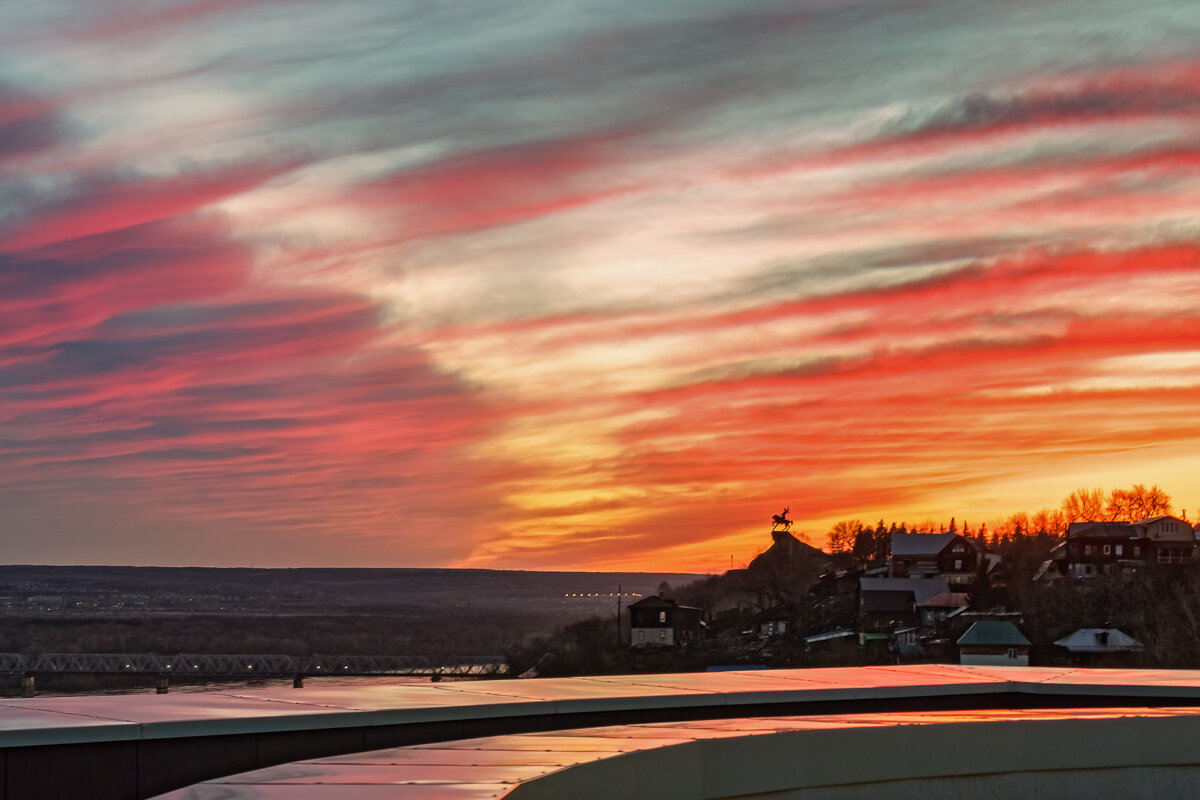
{"type": "Point", "coordinates": [585, 285]}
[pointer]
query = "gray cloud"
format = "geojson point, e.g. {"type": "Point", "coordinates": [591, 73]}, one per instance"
{"type": "Point", "coordinates": [28, 124]}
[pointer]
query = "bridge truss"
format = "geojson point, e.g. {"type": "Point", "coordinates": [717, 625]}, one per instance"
{"type": "Point", "coordinates": [209, 665]}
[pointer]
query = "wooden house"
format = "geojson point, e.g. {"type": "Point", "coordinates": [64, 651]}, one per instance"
{"type": "Point", "coordinates": [942, 555]}
{"type": "Point", "coordinates": [1093, 549]}
{"type": "Point", "coordinates": [659, 622]}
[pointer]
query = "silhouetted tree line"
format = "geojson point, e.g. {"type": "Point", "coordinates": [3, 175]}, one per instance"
{"type": "Point", "coordinates": [873, 543]}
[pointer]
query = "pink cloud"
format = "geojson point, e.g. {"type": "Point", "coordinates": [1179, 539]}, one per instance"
{"type": "Point", "coordinates": [496, 187]}
{"type": "Point", "coordinates": [137, 361]}
{"type": "Point", "coordinates": [111, 206]}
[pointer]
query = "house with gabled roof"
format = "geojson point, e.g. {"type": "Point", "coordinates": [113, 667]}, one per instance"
{"type": "Point", "coordinates": [994, 643]}
{"type": "Point", "coordinates": [950, 555]}
{"type": "Point", "coordinates": [886, 605]}
{"type": "Point", "coordinates": [1096, 548]}
{"type": "Point", "coordinates": [933, 612]}
{"type": "Point", "coordinates": [1173, 539]}
{"type": "Point", "coordinates": [1100, 640]}
{"type": "Point", "coordinates": [661, 622]}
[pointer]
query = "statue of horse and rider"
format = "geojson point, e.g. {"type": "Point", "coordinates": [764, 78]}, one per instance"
{"type": "Point", "coordinates": [780, 520]}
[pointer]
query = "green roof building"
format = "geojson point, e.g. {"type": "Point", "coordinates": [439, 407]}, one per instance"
{"type": "Point", "coordinates": [993, 643]}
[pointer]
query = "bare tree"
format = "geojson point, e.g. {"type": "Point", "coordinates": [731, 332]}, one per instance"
{"type": "Point", "coordinates": [1120, 506]}
{"type": "Point", "coordinates": [1085, 505]}
{"type": "Point", "coordinates": [1048, 521]}
{"type": "Point", "coordinates": [841, 535]}
{"type": "Point", "coordinates": [1130, 505]}
{"type": "Point", "coordinates": [1153, 501]}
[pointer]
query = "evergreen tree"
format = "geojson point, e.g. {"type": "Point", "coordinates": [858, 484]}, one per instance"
{"type": "Point", "coordinates": [883, 542]}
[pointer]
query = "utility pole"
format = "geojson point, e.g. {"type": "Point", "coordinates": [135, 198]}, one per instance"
{"type": "Point", "coordinates": [618, 615]}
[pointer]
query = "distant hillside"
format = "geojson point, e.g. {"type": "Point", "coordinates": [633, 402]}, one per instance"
{"type": "Point", "coordinates": [787, 549]}
{"type": "Point", "coordinates": [436, 613]}
{"type": "Point", "coordinates": [317, 588]}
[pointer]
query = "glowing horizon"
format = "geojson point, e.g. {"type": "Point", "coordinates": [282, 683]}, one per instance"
{"type": "Point", "coordinates": [539, 288]}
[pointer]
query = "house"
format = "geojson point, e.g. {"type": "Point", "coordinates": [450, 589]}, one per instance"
{"type": "Point", "coordinates": [774, 622]}
{"type": "Point", "coordinates": [908, 643]}
{"type": "Point", "coordinates": [928, 638]}
{"type": "Point", "coordinates": [921, 588]}
{"type": "Point", "coordinates": [1093, 549]}
{"type": "Point", "coordinates": [933, 612]}
{"type": "Point", "coordinates": [1100, 640]}
{"type": "Point", "coordinates": [845, 581]}
{"type": "Point", "coordinates": [882, 613]}
{"type": "Point", "coordinates": [659, 622]}
{"type": "Point", "coordinates": [888, 604]}
{"type": "Point", "coordinates": [947, 555]}
{"type": "Point", "coordinates": [994, 643]}
{"type": "Point", "coordinates": [1173, 540]}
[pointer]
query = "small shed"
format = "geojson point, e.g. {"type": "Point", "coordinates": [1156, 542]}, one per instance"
{"type": "Point", "coordinates": [773, 624]}
{"type": "Point", "coordinates": [994, 643]}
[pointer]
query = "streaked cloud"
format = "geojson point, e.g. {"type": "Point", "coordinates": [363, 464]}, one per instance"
{"type": "Point", "coordinates": [551, 286]}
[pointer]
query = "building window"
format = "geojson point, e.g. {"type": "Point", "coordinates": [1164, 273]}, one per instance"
{"type": "Point", "coordinates": [957, 564]}
{"type": "Point", "coordinates": [1012, 652]}
{"type": "Point", "coordinates": [662, 616]}
{"type": "Point", "coordinates": [1137, 550]}
{"type": "Point", "coordinates": [1088, 550]}
{"type": "Point", "coordinates": [641, 636]}
{"type": "Point", "coordinates": [662, 636]}
{"type": "Point", "coordinates": [1120, 549]}
{"type": "Point", "coordinates": [1107, 549]}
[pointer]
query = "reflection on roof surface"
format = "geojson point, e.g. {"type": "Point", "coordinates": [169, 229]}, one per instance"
{"type": "Point", "coordinates": [489, 767]}
{"type": "Point", "coordinates": [60, 720]}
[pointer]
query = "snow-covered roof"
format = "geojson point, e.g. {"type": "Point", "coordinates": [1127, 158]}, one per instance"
{"type": "Point", "coordinates": [1099, 640]}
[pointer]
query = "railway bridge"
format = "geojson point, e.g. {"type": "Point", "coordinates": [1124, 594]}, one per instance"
{"type": "Point", "coordinates": [207, 665]}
